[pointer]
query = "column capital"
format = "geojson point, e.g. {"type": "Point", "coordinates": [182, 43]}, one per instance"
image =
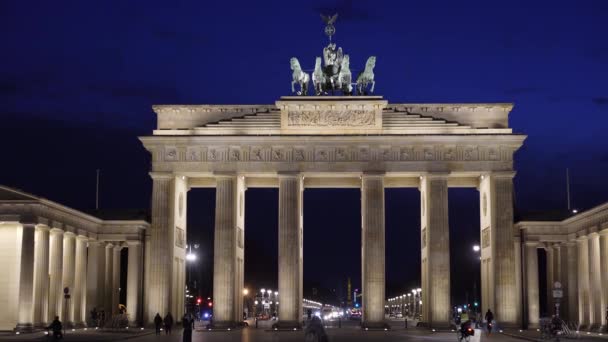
{"type": "Point", "coordinates": [502, 174]}
{"type": "Point", "coordinates": [109, 245]}
{"type": "Point", "coordinates": [118, 247]}
{"type": "Point", "coordinates": [373, 174]}
{"type": "Point", "coordinates": [42, 227]}
{"type": "Point", "coordinates": [161, 175]}
{"type": "Point", "coordinates": [532, 244]}
{"type": "Point", "coordinates": [289, 174]}
{"type": "Point", "coordinates": [435, 175]}
{"type": "Point", "coordinates": [93, 242]}
{"type": "Point", "coordinates": [56, 231]}
{"type": "Point", "coordinates": [581, 238]}
{"type": "Point", "coordinates": [604, 232]}
{"type": "Point", "coordinates": [231, 175]}
{"type": "Point", "coordinates": [592, 235]}
{"type": "Point", "coordinates": [69, 234]}
{"type": "Point", "coordinates": [82, 238]}
{"type": "Point", "coordinates": [133, 243]}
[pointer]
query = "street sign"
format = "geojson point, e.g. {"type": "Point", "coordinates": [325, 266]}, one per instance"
{"type": "Point", "coordinates": [66, 290]}
{"type": "Point", "coordinates": [557, 285]}
{"type": "Point", "coordinates": [557, 290]}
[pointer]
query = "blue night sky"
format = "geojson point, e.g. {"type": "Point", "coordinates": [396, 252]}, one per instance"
{"type": "Point", "coordinates": [77, 81]}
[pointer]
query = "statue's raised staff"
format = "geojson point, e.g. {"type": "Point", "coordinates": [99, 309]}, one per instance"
{"type": "Point", "coordinates": [299, 76]}
{"type": "Point", "coordinates": [367, 77]}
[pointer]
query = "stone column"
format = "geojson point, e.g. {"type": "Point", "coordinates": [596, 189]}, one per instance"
{"type": "Point", "coordinates": [161, 256]}
{"type": "Point", "coordinates": [550, 279]}
{"type": "Point", "coordinates": [290, 250]}
{"type": "Point", "coordinates": [224, 259]}
{"type": "Point", "coordinates": [96, 268]}
{"type": "Point", "coordinates": [55, 274]}
{"type": "Point", "coordinates": [596, 294]}
{"type": "Point", "coordinates": [572, 282]}
{"type": "Point", "coordinates": [583, 281]}
{"type": "Point", "coordinates": [109, 282]}
{"type": "Point", "coordinates": [134, 284]}
{"type": "Point", "coordinates": [69, 250]}
{"type": "Point", "coordinates": [80, 281]}
{"type": "Point", "coordinates": [116, 278]}
{"type": "Point", "coordinates": [373, 250]}
{"type": "Point", "coordinates": [435, 250]}
{"type": "Point", "coordinates": [41, 276]}
{"type": "Point", "coordinates": [532, 288]}
{"type": "Point", "coordinates": [561, 252]}
{"type": "Point", "coordinates": [498, 281]}
{"type": "Point", "coordinates": [604, 272]}
{"type": "Point", "coordinates": [25, 318]}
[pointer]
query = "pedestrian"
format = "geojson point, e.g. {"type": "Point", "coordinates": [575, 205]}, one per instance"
{"type": "Point", "coordinates": [56, 328]}
{"type": "Point", "coordinates": [315, 331]}
{"type": "Point", "coordinates": [168, 323]}
{"type": "Point", "coordinates": [158, 321]}
{"type": "Point", "coordinates": [188, 322]}
{"type": "Point", "coordinates": [489, 318]}
{"type": "Point", "coordinates": [102, 318]}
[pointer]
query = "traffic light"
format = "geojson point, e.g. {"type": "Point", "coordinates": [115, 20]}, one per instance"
{"type": "Point", "coordinates": [198, 300]}
{"type": "Point", "coordinates": [210, 304]}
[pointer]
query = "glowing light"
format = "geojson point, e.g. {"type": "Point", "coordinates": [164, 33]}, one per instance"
{"type": "Point", "coordinates": [191, 257]}
{"type": "Point", "coordinates": [245, 291]}
{"type": "Point", "coordinates": [476, 248]}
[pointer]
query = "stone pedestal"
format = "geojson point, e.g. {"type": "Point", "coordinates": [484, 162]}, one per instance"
{"type": "Point", "coordinates": [25, 318]}
{"type": "Point", "coordinates": [80, 281]}
{"type": "Point", "coordinates": [435, 236]}
{"type": "Point", "coordinates": [532, 289]}
{"type": "Point", "coordinates": [290, 251]}
{"type": "Point", "coordinates": [134, 284]}
{"type": "Point", "coordinates": [55, 274]}
{"type": "Point", "coordinates": [41, 276]}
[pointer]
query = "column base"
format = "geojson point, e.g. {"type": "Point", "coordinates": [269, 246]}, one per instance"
{"type": "Point", "coordinates": [382, 325]}
{"type": "Point", "coordinates": [24, 327]}
{"type": "Point", "coordinates": [287, 325]}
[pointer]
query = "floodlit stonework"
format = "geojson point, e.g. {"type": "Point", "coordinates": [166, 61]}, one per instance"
{"type": "Point", "coordinates": [577, 257]}
{"type": "Point", "coordinates": [324, 141]}
{"type": "Point", "coordinates": [46, 247]}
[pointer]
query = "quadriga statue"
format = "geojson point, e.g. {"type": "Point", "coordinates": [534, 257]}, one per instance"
{"type": "Point", "coordinates": [299, 76]}
{"type": "Point", "coordinates": [366, 77]}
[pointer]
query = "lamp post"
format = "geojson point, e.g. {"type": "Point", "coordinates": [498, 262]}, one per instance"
{"type": "Point", "coordinates": [190, 259]}
{"type": "Point", "coordinates": [477, 250]}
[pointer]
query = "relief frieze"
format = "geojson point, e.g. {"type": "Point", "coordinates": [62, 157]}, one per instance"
{"type": "Point", "coordinates": [335, 118]}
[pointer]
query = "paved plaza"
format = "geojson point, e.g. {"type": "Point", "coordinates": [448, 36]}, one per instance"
{"type": "Point", "coordinates": [349, 331]}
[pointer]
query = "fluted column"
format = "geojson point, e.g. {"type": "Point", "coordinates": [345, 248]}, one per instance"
{"type": "Point", "coordinates": [435, 250]}
{"type": "Point", "coordinates": [224, 258]}
{"type": "Point", "coordinates": [69, 251]}
{"type": "Point", "coordinates": [498, 274]}
{"type": "Point", "coordinates": [41, 276]}
{"type": "Point", "coordinates": [604, 271]}
{"type": "Point", "coordinates": [25, 317]}
{"type": "Point", "coordinates": [562, 256]}
{"type": "Point", "coordinates": [96, 268]}
{"type": "Point", "coordinates": [550, 279]}
{"type": "Point", "coordinates": [596, 299]}
{"type": "Point", "coordinates": [55, 274]}
{"type": "Point", "coordinates": [116, 278]}
{"type": "Point", "coordinates": [583, 281]}
{"type": "Point", "coordinates": [373, 249]}
{"type": "Point", "coordinates": [109, 282]}
{"type": "Point", "coordinates": [161, 256]}
{"type": "Point", "coordinates": [532, 288]}
{"type": "Point", "coordinates": [572, 282]}
{"type": "Point", "coordinates": [134, 285]}
{"type": "Point", "coordinates": [80, 281]}
{"type": "Point", "coordinates": [290, 250]}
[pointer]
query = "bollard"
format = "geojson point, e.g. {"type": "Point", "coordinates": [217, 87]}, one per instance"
{"type": "Point", "coordinates": [256, 322]}
{"type": "Point", "coordinates": [405, 322]}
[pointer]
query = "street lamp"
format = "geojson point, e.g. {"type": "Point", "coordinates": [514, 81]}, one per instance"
{"type": "Point", "coordinates": [476, 248]}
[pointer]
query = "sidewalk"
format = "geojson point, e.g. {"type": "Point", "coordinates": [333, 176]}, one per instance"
{"type": "Point", "coordinates": [534, 335]}
{"type": "Point", "coordinates": [79, 334]}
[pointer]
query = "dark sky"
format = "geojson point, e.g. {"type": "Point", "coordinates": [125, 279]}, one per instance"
{"type": "Point", "coordinates": [77, 81]}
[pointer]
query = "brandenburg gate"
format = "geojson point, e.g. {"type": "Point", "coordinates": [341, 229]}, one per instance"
{"type": "Point", "coordinates": [332, 142]}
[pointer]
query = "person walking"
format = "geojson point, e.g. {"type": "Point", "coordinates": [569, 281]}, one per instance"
{"type": "Point", "coordinates": [56, 327]}
{"type": "Point", "coordinates": [168, 323]}
{"type": "Point", "coordinates": [158, 321]}
{"type": "Point", "coordinates": [489, 319]}
{"type": "Point", "coordinates": [188, 323]}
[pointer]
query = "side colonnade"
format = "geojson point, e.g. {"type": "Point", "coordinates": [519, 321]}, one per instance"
{"type": "Point", "coordinates": [576, 251]}
{"type": "Point", "coordinates": [46, 255]}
